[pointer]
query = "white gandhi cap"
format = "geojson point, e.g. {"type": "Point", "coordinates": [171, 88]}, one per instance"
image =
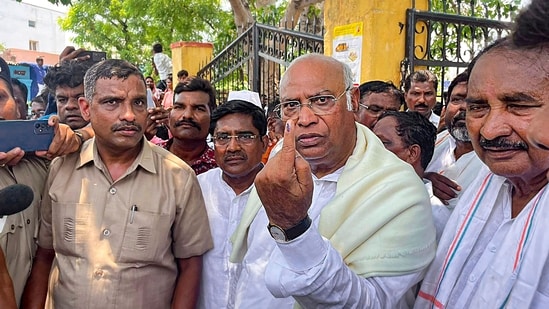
{"type": "Point", "coordinates": [245, 95]}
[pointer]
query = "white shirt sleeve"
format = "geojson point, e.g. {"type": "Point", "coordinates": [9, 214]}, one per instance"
{"type": "Point", "coordinates": [312, 271]}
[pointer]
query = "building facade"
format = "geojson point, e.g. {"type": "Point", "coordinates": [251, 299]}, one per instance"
{"type": "Point", "coordinates": [29, 31]}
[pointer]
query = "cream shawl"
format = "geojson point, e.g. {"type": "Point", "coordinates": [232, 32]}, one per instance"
{"type": "Point", "coordinates": [379, 219]}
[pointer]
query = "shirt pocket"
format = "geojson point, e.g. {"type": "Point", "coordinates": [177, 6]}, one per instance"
{"type": "Point", "coordinates": [147, 238]}
{"type": "Point", "coordinates": [71, 227]}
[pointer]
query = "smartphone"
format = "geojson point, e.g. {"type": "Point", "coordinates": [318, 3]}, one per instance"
{"type": "Point", "coordinates": [95, 56]}
{"type": "Point", "coordinates": [29, 135]}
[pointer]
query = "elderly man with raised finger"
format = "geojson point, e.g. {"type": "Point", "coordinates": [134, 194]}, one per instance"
{"type": "Point", "coordinates": [335, 220]}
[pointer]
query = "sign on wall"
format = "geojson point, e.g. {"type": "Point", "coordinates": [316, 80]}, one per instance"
{"type": "Point", "coordinates": [348, 47]}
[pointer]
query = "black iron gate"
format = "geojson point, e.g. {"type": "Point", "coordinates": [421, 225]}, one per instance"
{"type": "Point", "coordinates": [445, 43]}
{"type": "Point", "coordinates": [256, 60]}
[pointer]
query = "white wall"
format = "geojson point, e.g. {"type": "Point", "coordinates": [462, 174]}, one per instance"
{"type": "Point", "coordinates": [16, 33]}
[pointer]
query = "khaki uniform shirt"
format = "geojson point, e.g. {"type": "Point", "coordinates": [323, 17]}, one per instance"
{"type": "Point", "coordinates": [17, 237]}
{"type": "Point", "coordinates": [108, 256]}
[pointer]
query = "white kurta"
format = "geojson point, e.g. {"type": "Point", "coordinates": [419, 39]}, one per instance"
{"type": "Point", "coordinates": [441, 213]}
{"type": "Point", "coordinates": [284, 267]}
{"type": "Point", "coordinates": [163, 65]}
{"type": "Point", "coordinates": [224, 212]}
{"type": "Point", "coordinates": [443, 155]}
{"type": "Point", "coordinates": [434, 119]}
{"type": "Point", "coordinates": [485, 258]}
{"type": "Point", "coordinates": [463, 171]}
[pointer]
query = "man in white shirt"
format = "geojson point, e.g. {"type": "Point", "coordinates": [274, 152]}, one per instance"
{"type": "Point", "coordinates": [454, 165]}
{"type": "Point", "coordinates": [349, 223]}
{"type": "Point", "coordinates": [162, 65]}
{"type": "Point", "coordinates": [420, 94]}
{"type": "Point", "coordinates": [494, 251]}
{"type": "Point", "coordinates": [239, 132]}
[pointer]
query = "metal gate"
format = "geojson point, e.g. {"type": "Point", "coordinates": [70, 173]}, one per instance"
{"type": "Point", "coordinates": [257, 58]}
{"type": "Point", "coordinates": [445, 43]}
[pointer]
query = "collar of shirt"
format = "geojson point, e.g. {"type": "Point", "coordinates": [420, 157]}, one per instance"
{"type": "Point", "coordinates": [144, 159]}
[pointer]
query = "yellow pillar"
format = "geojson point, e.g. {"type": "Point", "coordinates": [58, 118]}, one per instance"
{"type": "Point", "coordinates": [190, 56]}
{"type": "Point", "coordinates": [383, 35]}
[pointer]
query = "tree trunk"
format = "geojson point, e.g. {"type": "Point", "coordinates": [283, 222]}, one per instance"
{"type": "Point", "coordinates": [293, 10]}
{"type": "Point", "coordinates": [243, 18]}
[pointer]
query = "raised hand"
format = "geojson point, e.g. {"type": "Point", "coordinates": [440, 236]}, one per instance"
{"type": "Point", "coordinates": [158, 116]}
{"type": "Point", "coordinates": [443, 187]}
{"type": "Point", "coordinates": [64, 140]}
{"type": "Point", "coordinates": [285, 185]}
{"type": "Point", "coordinates": [71, 53]}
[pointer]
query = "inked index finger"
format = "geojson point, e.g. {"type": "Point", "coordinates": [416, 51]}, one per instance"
{"type": "Point", "coordinates": [288, 143]}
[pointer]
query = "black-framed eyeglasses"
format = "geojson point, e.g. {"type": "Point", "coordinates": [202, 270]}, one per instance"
{"type": "Point", "coordinates": [241, 138]}
{"type": "Point", "coordinates": [319, 104]}
{"type": "Point", "coordinates": [375, 110]}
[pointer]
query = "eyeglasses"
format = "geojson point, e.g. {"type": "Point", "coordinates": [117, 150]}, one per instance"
{"type": "Point", "coordinates": [241, 138]}
{"type": "Point", "coordinates": [375, 110]}
{"type": "Point", "coordinates": [319, 104]}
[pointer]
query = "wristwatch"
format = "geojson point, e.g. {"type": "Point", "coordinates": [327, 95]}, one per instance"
{"type": "Point", "coordinates": [282, 236]}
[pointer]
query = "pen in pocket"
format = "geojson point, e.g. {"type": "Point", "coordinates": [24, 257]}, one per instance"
{"type": "Point", "coordinates": [132, 212]}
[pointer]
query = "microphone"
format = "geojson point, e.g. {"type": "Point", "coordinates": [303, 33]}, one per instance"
{"type": "Point", "coordinates": [14, 199]}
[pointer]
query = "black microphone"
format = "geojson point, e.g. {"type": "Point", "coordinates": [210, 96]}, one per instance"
{"type": "Point", "coordinates": [15, 198]}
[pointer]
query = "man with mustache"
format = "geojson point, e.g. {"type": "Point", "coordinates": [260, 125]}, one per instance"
{"type": "Point", "coordinates": [189, 122]}
{"type": "Point", "coordinates": [108, 241]}
{"type": "Point", "coordinates": [420, 94]}
{"type": "Point", "coordinates": [66, 83]}
{"type": "Point", "coordinates": [335, 220]}
{"type": "Point", "coordinates": [239, 130]}
{"type": "Point", "coordinates": [494, 251]}
{"type": "Point", "coordinates": [454, 165]}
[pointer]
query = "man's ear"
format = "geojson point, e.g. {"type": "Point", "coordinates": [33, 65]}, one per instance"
{"type": "Point", "coordinates": [414, 155]}
{"type": "Point", "coordinates": [84, 108]}
{"type": "Point", "coordinates": [271, 124]}
{"type": "Point", "coordinates": [352, 106]}
{"type": "Point", "coordinates": [265, 142]}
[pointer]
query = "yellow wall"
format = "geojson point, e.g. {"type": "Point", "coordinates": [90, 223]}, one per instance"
{"type": "Point", "coordinates": [190, 56]}
{"type": "Point", "coordinates": [383, 40]}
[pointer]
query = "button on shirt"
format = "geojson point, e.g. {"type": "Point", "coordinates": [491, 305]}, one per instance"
{"type": "Point", "coordinates": [108, 256]}
{"type": "Point", "coordinates": [224, 212]}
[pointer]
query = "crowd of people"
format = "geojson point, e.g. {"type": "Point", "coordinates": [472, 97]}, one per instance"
{"type": "Point", "coordinates": [336, 196]}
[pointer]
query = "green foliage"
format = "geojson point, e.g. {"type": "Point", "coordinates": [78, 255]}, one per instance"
{"type": "Point", "coordinates": [452, 41]}
{"type": "Point", "coordinates": [271, 14]}
{"type": "Point", "coordinates": [490, 9]}
{"type": "Point", "coordinates": [127, 29]}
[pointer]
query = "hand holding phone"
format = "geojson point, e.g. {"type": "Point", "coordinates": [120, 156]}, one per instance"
{"type": "Point", "coordinates": [29, 135]}
{"type": "Point", "coordinates": [93, 56]}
